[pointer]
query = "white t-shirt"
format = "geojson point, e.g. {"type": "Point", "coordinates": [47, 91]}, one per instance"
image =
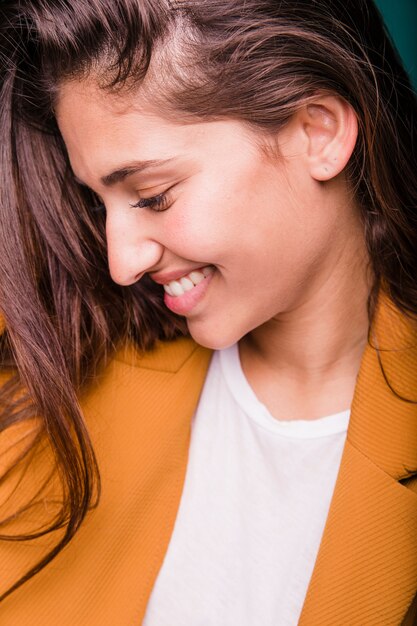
{"type": "Point", "coordinates": [253, 509]}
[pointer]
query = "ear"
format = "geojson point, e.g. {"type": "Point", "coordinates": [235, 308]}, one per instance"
{"type": "Point", "coordinates": [330, 127]}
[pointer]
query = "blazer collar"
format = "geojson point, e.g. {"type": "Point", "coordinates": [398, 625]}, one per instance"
{"type": "Point", "coordinates": [366, 567]}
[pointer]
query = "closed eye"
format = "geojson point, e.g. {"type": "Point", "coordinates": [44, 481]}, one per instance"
{"type": "Point", "coordinates": [156, 203]}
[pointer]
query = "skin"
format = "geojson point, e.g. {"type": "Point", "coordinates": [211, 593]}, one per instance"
{"type": "Point", "coordinates": [284, 235]}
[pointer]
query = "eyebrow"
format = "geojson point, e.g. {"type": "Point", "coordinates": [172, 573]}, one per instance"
{"type": "Point", "coordinates": [119, 175]}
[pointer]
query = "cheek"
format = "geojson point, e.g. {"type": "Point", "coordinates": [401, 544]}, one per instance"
{"type": "Point", "coordinates": [195, 230]}
{"type": "Point", "coordinates": [185, 233]}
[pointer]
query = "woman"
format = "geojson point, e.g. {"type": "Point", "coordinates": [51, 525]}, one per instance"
{"type": "Point", "coordinates": [242, 173]}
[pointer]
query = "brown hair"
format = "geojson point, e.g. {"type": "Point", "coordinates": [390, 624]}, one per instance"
{"type": "Point", "coordinates": [257, 61]}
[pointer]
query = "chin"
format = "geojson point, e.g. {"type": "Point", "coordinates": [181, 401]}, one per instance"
{"type": "Point", "coordinates": [213, 338]}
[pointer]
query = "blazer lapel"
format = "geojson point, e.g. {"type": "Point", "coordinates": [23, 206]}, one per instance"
{"type": "Point", "coordinates": [366, 568]}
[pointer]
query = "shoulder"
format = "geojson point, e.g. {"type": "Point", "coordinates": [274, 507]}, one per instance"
{"type": "Point", "coordinates": [139, 386]}
{"type": "Point", "coordinates": [166, 356]}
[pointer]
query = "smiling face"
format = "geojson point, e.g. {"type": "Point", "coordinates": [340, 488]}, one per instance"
{"type": "Point", "coordinates": [268, 228]}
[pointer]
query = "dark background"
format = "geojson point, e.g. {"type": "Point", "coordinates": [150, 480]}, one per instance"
{"type": "Point", "coordinates": [401, 18]}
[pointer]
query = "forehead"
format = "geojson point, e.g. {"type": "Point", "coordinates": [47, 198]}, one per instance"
{"type": "Point", "coordinates": [91, 118]}
{"type": "Point", "coordinates": [102, 130]}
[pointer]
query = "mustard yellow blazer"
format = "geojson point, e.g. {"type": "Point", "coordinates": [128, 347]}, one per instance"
{"type": "Point", "coordinates": [139, 416]}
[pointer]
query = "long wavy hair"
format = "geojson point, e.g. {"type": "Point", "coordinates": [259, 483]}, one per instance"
{"type": "Point", "coordinates": [257, 61]}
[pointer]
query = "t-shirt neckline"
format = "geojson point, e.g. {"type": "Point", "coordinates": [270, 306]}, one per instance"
{"type": "Point", "coordinates": [246, 398]}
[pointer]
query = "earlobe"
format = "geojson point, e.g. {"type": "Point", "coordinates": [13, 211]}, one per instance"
{"type": "Point", "coordinates": [331, 128]}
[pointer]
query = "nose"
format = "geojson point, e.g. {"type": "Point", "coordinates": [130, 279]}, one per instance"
{"type": "Point", "coordinates": [131, 250]}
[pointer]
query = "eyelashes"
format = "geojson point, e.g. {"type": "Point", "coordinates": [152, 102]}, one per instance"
{"type": "Point", "coordinates": [155, 203]}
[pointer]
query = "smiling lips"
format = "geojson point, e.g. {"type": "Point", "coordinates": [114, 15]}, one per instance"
{"type": "Point", "coordinates": [184, 291]}
{"type": "Point", "coordinates": [187, 282]}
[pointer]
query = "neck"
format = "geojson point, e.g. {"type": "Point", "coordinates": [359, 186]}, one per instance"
{"type": "Point", "coordinates": [306, 359]}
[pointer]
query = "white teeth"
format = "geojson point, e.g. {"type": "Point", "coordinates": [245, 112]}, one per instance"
{"type": "Point", "coordinates": [196, 277]}
{"type": "Point", "coordinates": [176, 288]}
{"type": "Point", "coordinates": [186, 283]}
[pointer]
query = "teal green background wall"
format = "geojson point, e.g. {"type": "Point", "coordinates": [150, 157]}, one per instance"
{"type": "Point", "coordinates": [401, 19]}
